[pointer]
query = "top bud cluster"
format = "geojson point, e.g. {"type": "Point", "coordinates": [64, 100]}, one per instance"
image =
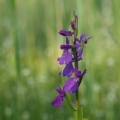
{"type": "Point", "coordinates": [72, 54]}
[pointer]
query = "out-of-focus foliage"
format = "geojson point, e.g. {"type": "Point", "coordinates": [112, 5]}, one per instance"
{"type": "Point", "coordinates": [29, 47]}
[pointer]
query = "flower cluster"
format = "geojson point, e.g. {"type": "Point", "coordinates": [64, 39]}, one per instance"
{"type": "Point", "coordinates": [72, 54]}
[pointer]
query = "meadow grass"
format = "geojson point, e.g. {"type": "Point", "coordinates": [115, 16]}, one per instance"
{"type": "Point", "coordinates": [29, 45]}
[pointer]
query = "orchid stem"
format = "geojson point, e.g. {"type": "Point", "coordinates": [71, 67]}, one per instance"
{"type": "Point", "coordinates": [75, 20]}
{"type": "Point", "coordinates": [76, 113]}
{"type": "Point", "coordinates": [70, 103]}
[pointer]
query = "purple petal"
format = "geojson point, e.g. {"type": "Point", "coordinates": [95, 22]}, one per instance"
{"type": "Point", "coordinates": [65, 47]}
{"type": "Point", "coordinates": [71, 85]}
{"type": "Point", "coordinates": [67, 41]}
{"type": "Point", "coordinates": [79, 58]}
{"type": "Point", "coordinates": [60, 91]}
{"type": "Point", "coordinates": [82, 35]}
{"type": "Point", "coordinates": [80, 53]}
{"type": "Point", "coordinates": [57, 101]}
{"type": "Point", "coordinates": [66, 33]}
{"type": "Point", "coordinates": [65, 58]}
{"type": "Point", "coordinates": [77, 46]}
{"type": "Point", "coordinates": [68, 70]}
{"type": "Point", "coordinates": [78, 74]}
{"type": "Point", "coordinates": [77, 40]}
{"type": "Point", "coordinates": [84, 72]}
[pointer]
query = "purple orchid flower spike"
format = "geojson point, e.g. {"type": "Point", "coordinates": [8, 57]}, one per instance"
{"type": "Point", "coordinates": [59, 99]}
{"type": "Point", "coordinates": [66, 33]}
{"type": "Point", "coordinates": [72, 54]}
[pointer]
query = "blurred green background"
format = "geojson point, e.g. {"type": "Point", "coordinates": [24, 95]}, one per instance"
{"type": "Point", "coordinates": [29, 47]}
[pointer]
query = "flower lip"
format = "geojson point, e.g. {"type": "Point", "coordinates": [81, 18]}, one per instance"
{"type": "Point", "coordinates": [59, 99]}
{"type": "Point", "coordinates": [65, 58]}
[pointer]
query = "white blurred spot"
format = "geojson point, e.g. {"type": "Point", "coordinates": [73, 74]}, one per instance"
{"type": "Point", "coordinates": [99, 113]}
{"type": "Point", "coordinates": [45, 116]}
{"type": "Point", "coordinates": [83, 102]}
{"type": "Point", "coordinates": [71, 118]}
{"type": "Point", "coordinates": [31, 81]}
{"type": "Point", "coordinates": [25, 115]}
{"type": "Point", "coordinates": [7, 42]}
{"type": "Point", "coordinates": [96, 87]}
{"type": "Point", "coordinates": [8, 111]}
{"type": "Point", "coordinates": [42, 78]}
{"type": "Point", "coordinates": [25, 71]}
{"type": "Point", "coordinates": [22, 90]}
{"type": "Point", "coordinates": [110, 61]}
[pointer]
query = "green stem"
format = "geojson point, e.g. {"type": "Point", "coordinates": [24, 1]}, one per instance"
{"type": "Point", "coordinates": [70, 103]}
{"type": "Point", "coordinates": [81, 113]}
{"type": "Point", "coordinates": [74, 19]}
{"type": "Point", "coordinates": [76, 113]}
